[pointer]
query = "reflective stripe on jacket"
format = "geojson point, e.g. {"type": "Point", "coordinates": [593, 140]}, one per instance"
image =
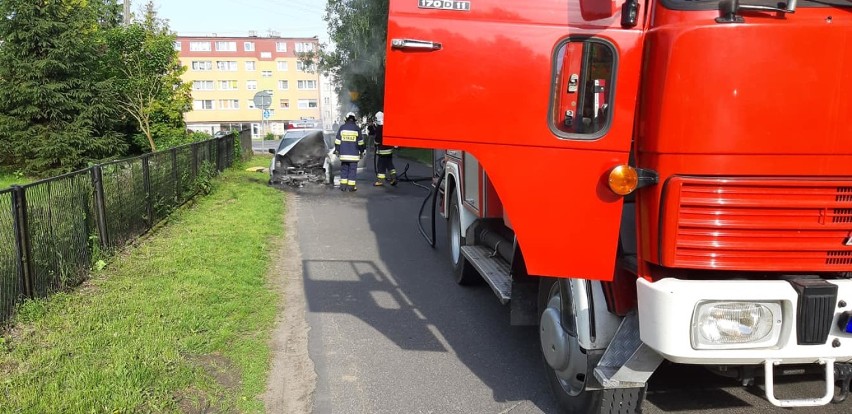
{"type": "Point", "coordinates": [381, 148]}
{"type": "Point", "coordinates": [349, 143]}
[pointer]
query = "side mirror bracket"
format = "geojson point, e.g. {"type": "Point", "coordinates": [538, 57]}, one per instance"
{"type": "Point", "coordinates": [629, 13]}
{"type": "Point", "coordinates": [728, 10]}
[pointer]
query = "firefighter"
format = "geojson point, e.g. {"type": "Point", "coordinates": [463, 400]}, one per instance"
{"type": "Point", "coordinates": [350, 146]}
{"type": "Point", "coordinates": [385, 170]}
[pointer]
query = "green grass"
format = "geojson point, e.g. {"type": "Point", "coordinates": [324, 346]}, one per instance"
{"type": "Point", "coordinates": [8, 179]}
{"type": "Point", "coordinates": [423, 156]}
{"type": "Point", "coordinates": [178, 323]}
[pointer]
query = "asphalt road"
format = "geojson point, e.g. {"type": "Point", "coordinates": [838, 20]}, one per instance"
{"type": "Point", "coordinates": [391, 332]}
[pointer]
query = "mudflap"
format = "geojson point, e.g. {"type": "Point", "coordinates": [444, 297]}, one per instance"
{"type": "Point", "coordinates": [622, 400]}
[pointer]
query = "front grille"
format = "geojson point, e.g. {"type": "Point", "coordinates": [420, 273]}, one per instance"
{"type": "Point", "coordinates": [839, 258]}
{"type": "Point", "coordinates": [844, 193]}
{"type": "Point", "coordinates": [751, 224]}
{"type": "Point", "coordinates": [842, 215]}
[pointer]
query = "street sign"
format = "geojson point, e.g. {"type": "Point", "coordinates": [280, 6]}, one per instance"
{"type": "Point", "coordinates": [267, 113]}
{"type": "Point", "coordinates": [262, 100]}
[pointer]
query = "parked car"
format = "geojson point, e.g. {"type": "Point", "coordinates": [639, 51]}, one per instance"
{"type": "Point", "coordinates": [305, 155]}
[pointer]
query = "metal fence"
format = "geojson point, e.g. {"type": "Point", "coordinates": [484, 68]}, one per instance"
{"type": "Point", "coordinates": [51, 231]}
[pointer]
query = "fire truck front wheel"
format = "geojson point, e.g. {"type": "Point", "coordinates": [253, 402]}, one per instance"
{"type": "Point", "coordinates": [565, 362]}
{"type": "Point", "coordinates": [463, 271]}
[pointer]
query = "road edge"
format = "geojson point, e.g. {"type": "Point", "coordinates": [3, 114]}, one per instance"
{"type": "Point", "coordinates": [292, 377]}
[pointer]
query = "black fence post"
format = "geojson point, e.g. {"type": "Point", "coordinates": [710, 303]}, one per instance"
{"type": "Point", "coordinates": [23, 246]}
{"type": "Point", "coordinates": [194, 161]}
{"type": "Point", "coordinates": [173, 152]}
{"type": "Point", "coordinates": [146, 178]}
{"type": "Point", "coordinates": [232, 148]}
{"type": "Point", "coordinates": [219, 162]}
{"type": "Point", "coordinates": [100, 205]}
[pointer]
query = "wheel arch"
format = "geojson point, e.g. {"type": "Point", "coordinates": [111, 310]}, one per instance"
{"type": "Point", "coordinates": [455, 188]}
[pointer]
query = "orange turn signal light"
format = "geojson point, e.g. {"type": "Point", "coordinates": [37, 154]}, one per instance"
{"type": "Point", "coordinates": [623, 180]}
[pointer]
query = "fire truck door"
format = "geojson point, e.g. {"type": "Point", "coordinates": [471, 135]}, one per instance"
{"type": "Point", "coordinates": [486, 76]}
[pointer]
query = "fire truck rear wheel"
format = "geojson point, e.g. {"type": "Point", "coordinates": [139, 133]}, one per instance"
{"type": "Point", "coordinates": [565, 362]}
{"type": "Point", "coordinates": [463, 271]}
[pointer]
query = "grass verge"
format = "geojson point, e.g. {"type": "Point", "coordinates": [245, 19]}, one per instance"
{"type": "Point", "coordinates": [7, 180]}
{"type": "Point", "coordinates": [423, 156]}
{"type": "Point", "coordinates": [178, 323]}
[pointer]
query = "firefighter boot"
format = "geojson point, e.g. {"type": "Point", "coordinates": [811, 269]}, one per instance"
{"type": "Point", "coordinates": [393, 180]}
{"type": "Point", "coordinates": [378, 184]}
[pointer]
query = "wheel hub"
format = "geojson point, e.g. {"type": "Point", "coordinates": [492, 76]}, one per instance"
{"type": "Point", "coordinates": [561, 349]}
{"type": "Point", "coordinates": [455, 237]}
{"type": "Point", "coordinates": [554, 341]}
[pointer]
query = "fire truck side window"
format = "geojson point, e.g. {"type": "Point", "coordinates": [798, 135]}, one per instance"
{"type": "Point", "coordinates": [582, 88]}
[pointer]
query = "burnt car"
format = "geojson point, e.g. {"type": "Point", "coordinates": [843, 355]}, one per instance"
{"type": "Point", "coordinates": [305, 155]}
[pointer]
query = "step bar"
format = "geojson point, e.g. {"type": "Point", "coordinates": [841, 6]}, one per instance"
{"type": "Point", "coordinates": [493, 269]}
{"type": "Point", "coordinates": [627, 361]}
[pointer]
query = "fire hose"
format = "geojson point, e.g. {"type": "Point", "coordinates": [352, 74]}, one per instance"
{"type": "Point", "coordinates": [433, 192]}
{"type": "Point", "coordinates": [433, 195]}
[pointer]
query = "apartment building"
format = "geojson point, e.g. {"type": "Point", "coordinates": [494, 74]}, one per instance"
{"type": "Point", "coordinates": [227, 72]}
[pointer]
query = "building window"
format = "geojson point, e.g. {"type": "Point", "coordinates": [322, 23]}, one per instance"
{"type": "Point", "coordinates": [248, 46]}
{"type": "Point", "coordinates": [306, 84]}
{"type": "Point", "coordinates": [307, 103]}
{"type": "Point", "coordinates": [266, 73]}
{"type": "Point", "coordinates": [265, 55]}
{"type": "Point", "coordinates": [326, 101]}
{"type": "Point", "coordinates": [283, 85]}
{"type": "Point", "coordinates": [203, 104]}
{"type": "Point", "coordinates": [282, 66]}
{"type": "Point", "coordinates": [304, 47]}
{"type": "Point", "coordinates": [251, 85]}
{"type": "Point", "coordinates": [177, 46]}
{"type": "Point", "coordinates": [251, 66]}
{"type": "Point", "coordinates": [228, 85]}
{"type": "Point", "coordinates": [202, 65]}
{"type": "Point", "coordinates": [226, 46]}
{"type": "Point", "coordinates": [304, 66]}
{"type": "Point", "coordinates": [284, 104]}
{"type": "Point", "coordinates": [229, 104]}
{"type": "Point", "coordinates": [281, 47]}
{"type": "Point", "coordinates": [199, 46]}
{"type": "Point", "coordinates": [202, 85]}
{"type": "Point", "coordinates": [226, 65]}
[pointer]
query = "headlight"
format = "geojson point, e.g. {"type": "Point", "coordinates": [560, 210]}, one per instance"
{"type": "Point", "coordinates": [736, 325]}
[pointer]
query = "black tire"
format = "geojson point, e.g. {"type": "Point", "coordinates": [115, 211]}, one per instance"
{"type": "Point", "coordinates": [463, 272]}
{"type": "Point", "coordinates": [568, 385]}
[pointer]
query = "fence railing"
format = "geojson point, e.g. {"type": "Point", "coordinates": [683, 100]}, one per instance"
{"type": "Point", "coordinates": [51, 231]}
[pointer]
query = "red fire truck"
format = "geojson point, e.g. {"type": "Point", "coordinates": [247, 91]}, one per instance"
{"type": "Point", "coordinates": [681, 188]}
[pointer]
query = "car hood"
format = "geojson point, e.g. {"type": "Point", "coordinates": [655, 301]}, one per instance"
{"type": "Point", "coordinates": [308, 151]}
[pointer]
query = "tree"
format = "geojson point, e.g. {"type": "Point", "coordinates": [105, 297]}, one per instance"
{"type": "Point", "coordinates": [55, 108]}
{"type": "Point", "coordinates": [147, 77]}
{"type": "Point", "coordinates": [356, 63]}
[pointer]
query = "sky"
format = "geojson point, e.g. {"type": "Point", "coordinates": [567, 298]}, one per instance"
{"type": "Point", "coordinates": [290, 18]}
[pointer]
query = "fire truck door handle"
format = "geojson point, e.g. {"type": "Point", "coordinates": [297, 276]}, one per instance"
{"type": "Point", "coordinates": [413, 44]}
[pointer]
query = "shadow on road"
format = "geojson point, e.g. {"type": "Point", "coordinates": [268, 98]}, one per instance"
{"type": "Point", "coordinates": [360, 289]}
{"type": "Point", "coordinates": [407, 294]}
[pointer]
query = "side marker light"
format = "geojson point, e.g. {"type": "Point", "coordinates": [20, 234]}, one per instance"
{"type": "Point", "coordinates": [623, 180]}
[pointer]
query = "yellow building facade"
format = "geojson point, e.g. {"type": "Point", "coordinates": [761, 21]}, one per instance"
{"type": "Point", "coordinates": [226, 73]}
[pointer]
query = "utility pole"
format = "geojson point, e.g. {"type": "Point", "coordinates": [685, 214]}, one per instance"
{"type": "Point", "coordinates": [126, 12]}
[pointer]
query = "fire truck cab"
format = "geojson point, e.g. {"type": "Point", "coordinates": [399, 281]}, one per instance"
{"type": "Point", "coordinates": [683, 191]}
